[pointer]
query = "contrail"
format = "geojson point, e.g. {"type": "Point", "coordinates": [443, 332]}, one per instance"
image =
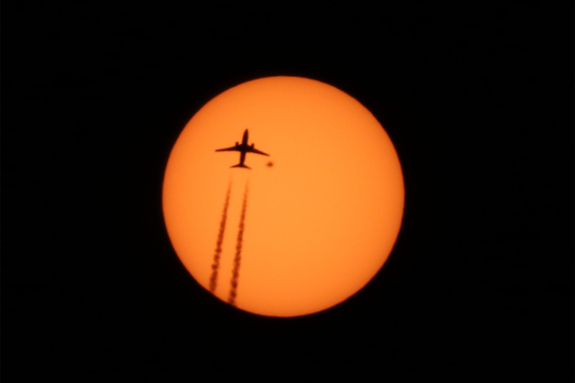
{"type": "Point", "coordinates": [237, 259]}
{"type": "Point", "coordinates": [218, 252]}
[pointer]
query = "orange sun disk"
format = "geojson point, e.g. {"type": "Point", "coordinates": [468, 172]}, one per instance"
{"type": "Point", "coordinates": [322, 213]}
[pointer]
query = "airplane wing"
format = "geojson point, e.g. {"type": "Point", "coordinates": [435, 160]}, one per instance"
{"type": "Point", "coordinates": [233, 148]}
{"type": "Point", "coordinates": [253, 150]}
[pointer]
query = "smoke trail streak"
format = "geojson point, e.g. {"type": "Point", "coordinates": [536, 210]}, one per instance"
{"type": "Point", "coordinates": [218, 252]}
{"type": "Point", "coordinates": [237, 259]}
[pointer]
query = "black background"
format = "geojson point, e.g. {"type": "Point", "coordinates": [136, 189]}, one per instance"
{"type": "Point", "coordinates": [478, 100]}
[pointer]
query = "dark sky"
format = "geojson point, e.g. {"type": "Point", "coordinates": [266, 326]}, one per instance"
{"type": "Point", "coordinates": [477, 99]}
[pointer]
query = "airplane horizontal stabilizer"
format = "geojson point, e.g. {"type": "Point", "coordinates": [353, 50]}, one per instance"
{"type": "Point", "coordinates": [240, 166]}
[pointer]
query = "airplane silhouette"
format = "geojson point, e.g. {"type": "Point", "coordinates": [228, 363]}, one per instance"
{"type": "Point", "coordinates": [243, 148]}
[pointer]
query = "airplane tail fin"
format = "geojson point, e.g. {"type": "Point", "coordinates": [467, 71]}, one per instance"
{"type": "Point", "coordinates": [240, 166]}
